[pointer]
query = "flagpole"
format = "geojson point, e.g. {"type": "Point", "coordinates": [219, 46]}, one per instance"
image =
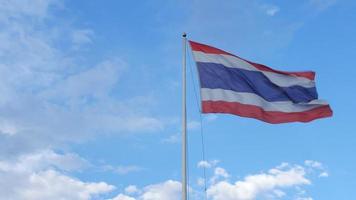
{"type": "Point", "coordinates": [184, 122]}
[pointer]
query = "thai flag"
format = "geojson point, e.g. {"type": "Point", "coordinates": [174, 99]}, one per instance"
{"type": "Point", "coordinates": [230, 84]}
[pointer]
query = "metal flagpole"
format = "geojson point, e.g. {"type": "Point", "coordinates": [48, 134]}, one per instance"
{"type": "Point", "coordinates": [184, 122]}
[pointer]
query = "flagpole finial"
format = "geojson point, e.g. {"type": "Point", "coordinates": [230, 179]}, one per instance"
{"type": "Point", "coordinates": [184, 35]}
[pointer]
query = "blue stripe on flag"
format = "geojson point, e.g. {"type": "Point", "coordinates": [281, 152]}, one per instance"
{"type": "Point", "coordinates": [214, 76]}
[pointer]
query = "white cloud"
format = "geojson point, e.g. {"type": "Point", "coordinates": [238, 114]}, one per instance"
{"type": "Point", "coordinates": [324, 174]}
{"type": "Point", "coordinates": [94, 82]}
{"type": "Point", "coordinates": [44, 160]}
{"type": "Point", "coordinates": [47, 95]}
{"type": "Point", "coordinates": [313, 164]}
{"type": "Point", "coordinates": [278, 182]}
{"type": "Point", "coordinates": [169, 190]}
{"type": "Point", "coordinates": [259, 184]}
{"type": "Point", "coordinates": [28, 8]}
{"type": "Point", "coordinates": [271, 10]}
{"type": "Point", "coordinates": [204, 164]}
{"type": "Point", "coordinates": [279, 193]}
{"type": "Point", "coordinates": [219, 173]}
{"type": "Point", "coordinates": [42, 176]}
{"type": "Point", "coordinates": [304, 198]}
{"type": "Point", "coordinates": [317, 166]}
{"type": "Point", "coordinates": [207, 164]}
{"type": "Point", "coordinates": [123, 197]}
{"type": "Point", "coordinates": [201, 181]}
{"type": "Point", "coordinates": [270, 184]}
{"type": "Point", "coordinates": [131, 189]}
{"type": "Point", "coordinates": [53, 185]}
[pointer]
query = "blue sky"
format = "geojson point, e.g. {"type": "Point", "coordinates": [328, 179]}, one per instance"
{"type": "Point", "coordinates": [90, 100]}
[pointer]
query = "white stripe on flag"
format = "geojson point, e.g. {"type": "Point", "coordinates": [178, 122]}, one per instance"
{"type": "Point", "coordinates": [234, 62]}
{"type": "Point", "coordinates": [255, 100]}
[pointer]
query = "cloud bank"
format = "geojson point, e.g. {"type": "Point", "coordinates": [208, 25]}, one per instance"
{"type": "Point", "coordinates": [284, 180]}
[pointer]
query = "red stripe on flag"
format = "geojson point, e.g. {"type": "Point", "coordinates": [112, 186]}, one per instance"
{"type": "Point", "coordinates": [272, 117]}
{"type": "Point", "coordinates": [209, 49]}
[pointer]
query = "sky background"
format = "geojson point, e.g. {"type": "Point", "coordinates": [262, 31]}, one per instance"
{"type": "Point", "coordinates": [90, 100]}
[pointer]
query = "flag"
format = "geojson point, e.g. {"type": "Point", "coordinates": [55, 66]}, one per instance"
{"type": "Point", "coordinates": [233, 85]}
